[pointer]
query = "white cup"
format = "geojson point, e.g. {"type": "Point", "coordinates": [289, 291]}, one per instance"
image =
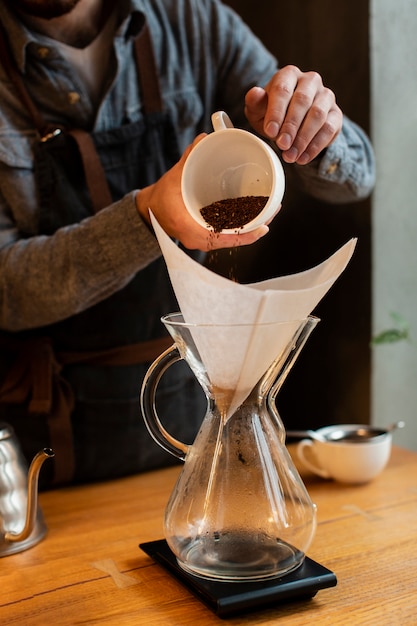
{"type": "Point", "coordinates": [345, 461]}
{"type": "Point", "coordinates": [231, 163]}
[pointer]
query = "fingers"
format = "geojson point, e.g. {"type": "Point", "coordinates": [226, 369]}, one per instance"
{"type": "Point", "coordinates": [310, 121]}
{"type": "Point", "coordinates": [234, 240]}
{"type": "Point", "coordinates": [296, 111]}
{"type": "Point", "coordinates": [256, 102]}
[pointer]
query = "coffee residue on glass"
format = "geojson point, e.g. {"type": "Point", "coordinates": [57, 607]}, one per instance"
{"type": "Point", "coordinates": [233, 213]}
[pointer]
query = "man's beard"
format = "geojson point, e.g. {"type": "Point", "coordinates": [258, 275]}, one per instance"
{"type": "Point", "coordinates": [46, 9]}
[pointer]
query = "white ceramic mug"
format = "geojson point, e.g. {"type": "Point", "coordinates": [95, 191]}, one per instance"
{"type": "Point", "coordinates": [231, 163]}
{"type": "Point", "coordinates": [345, 461]}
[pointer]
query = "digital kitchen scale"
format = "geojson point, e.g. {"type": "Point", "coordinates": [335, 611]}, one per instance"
{"type": "Point", "coordinates": [227, 598]}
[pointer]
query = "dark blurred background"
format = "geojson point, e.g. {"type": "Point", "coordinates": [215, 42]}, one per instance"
{"type": "Point", "coordinates": [330, 382]}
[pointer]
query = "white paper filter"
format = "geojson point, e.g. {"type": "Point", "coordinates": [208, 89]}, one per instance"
{"type": "Point", "coordinates": [248, 339]}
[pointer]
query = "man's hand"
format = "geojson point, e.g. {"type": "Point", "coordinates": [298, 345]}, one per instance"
{"type": "Point", "coordinates": [165, 201]}
{"type": "Point", "coordinates": [297, 112]}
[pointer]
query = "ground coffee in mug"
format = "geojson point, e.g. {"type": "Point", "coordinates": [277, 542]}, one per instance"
{"type": "Point", "coordinates": [233, 212]}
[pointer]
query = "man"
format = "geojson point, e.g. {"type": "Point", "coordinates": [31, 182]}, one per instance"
{"type": "Point", "coordinates": [100, 103]}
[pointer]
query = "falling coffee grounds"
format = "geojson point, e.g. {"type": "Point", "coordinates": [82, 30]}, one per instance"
{"type": "Point", "coordinates": [233, 213]}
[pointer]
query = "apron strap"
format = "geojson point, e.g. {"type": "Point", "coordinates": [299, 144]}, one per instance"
{"type": "Point", "coordinates": [148, 72]}
{"type": "Point", "coordinates": [130, 354]}
{"type": "Point", "coordinates": [95, 177]}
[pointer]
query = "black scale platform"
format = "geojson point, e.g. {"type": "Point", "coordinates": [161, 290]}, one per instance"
{"type": "Point", "coordinates": [230, 598]}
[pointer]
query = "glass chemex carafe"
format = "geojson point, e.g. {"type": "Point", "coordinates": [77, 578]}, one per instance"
{"type": "Point", "coordinates": [239, 510]}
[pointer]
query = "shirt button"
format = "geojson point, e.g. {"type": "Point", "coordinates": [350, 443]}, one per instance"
{"type": "Point", "coordinates": [43, 52]}
{"type": "Point", "coordinates": [73, 97]}
{"type": "Point", "coordinates": [332, 168]}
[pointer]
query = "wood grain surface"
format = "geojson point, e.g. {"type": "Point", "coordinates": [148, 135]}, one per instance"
{"type": "Point", "coordinates": [88, 570]}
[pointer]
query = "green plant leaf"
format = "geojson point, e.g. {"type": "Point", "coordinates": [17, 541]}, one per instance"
{"type": "Point", "coordinates": [392, 335]}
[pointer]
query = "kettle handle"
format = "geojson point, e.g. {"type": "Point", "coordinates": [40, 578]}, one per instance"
{"type": "Point", "coordinates": [147, 403]}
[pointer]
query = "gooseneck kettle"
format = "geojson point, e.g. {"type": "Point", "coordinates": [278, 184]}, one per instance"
{"type": "Point", "coordinates": [21, 520]}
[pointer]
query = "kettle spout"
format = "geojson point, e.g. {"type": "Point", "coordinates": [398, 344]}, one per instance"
{"type": "Point", "coordinates": [32, 499]}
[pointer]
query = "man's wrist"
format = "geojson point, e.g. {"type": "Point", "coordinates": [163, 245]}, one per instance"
{"type": "Point", "coordinates": [142, 204]}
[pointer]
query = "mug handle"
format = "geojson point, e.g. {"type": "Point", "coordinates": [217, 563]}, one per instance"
{"type": "Point", "coordinates": [147, 403]}
{"type": "Point", "coordinates": [301, 448]}
{"type": "Point", "coordinates": [221, 121]}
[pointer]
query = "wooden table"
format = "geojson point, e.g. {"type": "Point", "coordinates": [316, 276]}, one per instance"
{"type": "Point", "coordinates": [89, 569]}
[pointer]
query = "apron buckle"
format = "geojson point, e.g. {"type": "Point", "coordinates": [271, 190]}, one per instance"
{"type": "Point", "coordinates": [51, 135]}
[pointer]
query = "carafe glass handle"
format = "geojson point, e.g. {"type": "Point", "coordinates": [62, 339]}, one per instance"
{"type": "Point", "coordinates": [148, 405]}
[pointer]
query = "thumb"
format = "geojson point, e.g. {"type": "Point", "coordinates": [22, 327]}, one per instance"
{"type": "Point", "coordinates": [256, 101]}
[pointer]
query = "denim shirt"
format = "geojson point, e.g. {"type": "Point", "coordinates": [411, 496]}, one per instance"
{"type": "Point", "coordinates": [207, 60]}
